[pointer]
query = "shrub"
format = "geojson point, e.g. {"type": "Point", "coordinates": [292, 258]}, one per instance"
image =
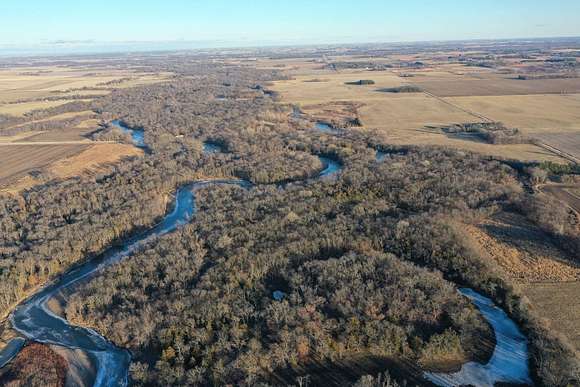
{"type": "Point", "coordinates": [362, 82]}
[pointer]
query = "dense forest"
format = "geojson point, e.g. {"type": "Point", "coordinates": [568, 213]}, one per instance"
{"type": "Point", "coordinates": [269, 280]}
{"type": "Point", "coordinates": [326, 252]}
{"type": "Point", "coordinates": [361, 263]}
{"type": "Point", "coordinates": [48, 228]}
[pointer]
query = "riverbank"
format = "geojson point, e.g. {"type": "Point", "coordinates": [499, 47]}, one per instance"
{"type": "Point", "coordinates": [509, 363]}
{"type": "Point", "coordinates": [10, 343]}
{"type": "Point", "coordinates": [81, 366]}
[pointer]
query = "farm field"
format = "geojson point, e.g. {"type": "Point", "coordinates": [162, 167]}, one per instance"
{"type": "Point", "coordinates": [41, 82]}
{"type": "Point", "coordinates": [57, 161]}
{"type": "Point", "coordinates": [310, 89]}
{"type": "Point", "coordinates": [567, 142]}
{"type": "Point", "coordinates": [61, 135]}
{"type": "Point", "coordinates": [293, 66]}
{"type": "Point", "coordinates": [19, 109]}
{"type": "Point", "coordinates": [63, 116]}
{"type": "Point", "coordinates": [533, 114]}
{"type": "Point", "coordinates": [464, 86]}
{"type": "Point", "coordinates": [31, 157]}
{"type": "Point", "coordinates": [94, 159]}
{"type": "Point", "coordinates": [19, 160]}
{"type": "Point", "coordinates": [18, 137]}
{"type": "Point", "coordinates": [574, 191]}
{"type": "Point", "coordinates": [405, 118]}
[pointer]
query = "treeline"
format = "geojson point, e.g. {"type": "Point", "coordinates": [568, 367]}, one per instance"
{"type": "Point", "coordinates": [554, 218]}
{"type": "Point", "coordinates": [74, 106]}
{"type": "Point", "coordinates": [11, 125]}
{"type": "Point", "coordinates": [44, 125]}
{"type": "Point", "coordinates": [7, 121]}
{"type": "Point", "coordinates": [109, 132]}
{"type": "Point", "coordinates": [491, 132]}
{"type": "Point", "coordinates": [373, 66]}
{"type": "Point", "coordinates": [402, 89]}
{"type": "Point", "coordinates": [527, 77]}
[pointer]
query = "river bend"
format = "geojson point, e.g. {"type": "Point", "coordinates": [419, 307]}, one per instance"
{"type": "Point", "coordinates": [33, 319]}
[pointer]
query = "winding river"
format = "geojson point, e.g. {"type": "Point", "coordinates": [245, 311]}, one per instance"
{"type": "Point", "coordinates": [34, 321]}
{"type": "Point", "coordinates": [509, 361]}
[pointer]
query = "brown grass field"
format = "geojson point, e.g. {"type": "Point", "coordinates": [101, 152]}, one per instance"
{"type": "Point", "coordinates": [469, 86]}
{"type": "Point", "coordinates": [57, 161]}
{"type": "Point", "coordinates": [547, 275]}
{"type": "Point", "coordinates": [523, 251]}
{"type": "Point", "coordinates": [17, 161]}
{"type": "Point", "coordinates": [19, 109]}
{"type": "Point", "coordinates": [66, 152]}
{"type": "Point", "coordinates": [559, 303]}
{"type": "Point", "coordinates": [45, 81]}
{"type": "Point", "coordinates": [533, 114]}
{"type": "Point", "coordinates": [403, 118]}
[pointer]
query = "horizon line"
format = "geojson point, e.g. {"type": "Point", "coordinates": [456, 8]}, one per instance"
{"type": "Point", "coordinates": [84, 46]}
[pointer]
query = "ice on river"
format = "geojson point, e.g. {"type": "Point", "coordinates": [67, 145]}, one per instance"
{"type": "Point", "coordinates": [509, 362]}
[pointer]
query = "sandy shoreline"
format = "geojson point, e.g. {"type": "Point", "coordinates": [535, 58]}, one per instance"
{"type": "Point", "coordinates": [81, 365]}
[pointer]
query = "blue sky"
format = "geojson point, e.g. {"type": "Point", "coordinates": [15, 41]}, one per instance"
{"type": "Point", "coordinates": [249, 22]}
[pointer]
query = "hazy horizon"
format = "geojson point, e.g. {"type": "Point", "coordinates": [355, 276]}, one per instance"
{"type": "Point", "coordinates": [69, 27]}
{"type": "Point", "coordinates": [96, 47]}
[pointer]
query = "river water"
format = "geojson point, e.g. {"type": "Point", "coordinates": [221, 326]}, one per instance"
{"type": "Point", "coordinates": [137, 135]}
{"type": "Point", "coordinates": [509, 362]}
{"type": "Point", "coordinates": [210, 147]}
{"type": "Point", "coordinates": [326, 128]}
{"type": "Point", "coordinates": [33, 320]}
